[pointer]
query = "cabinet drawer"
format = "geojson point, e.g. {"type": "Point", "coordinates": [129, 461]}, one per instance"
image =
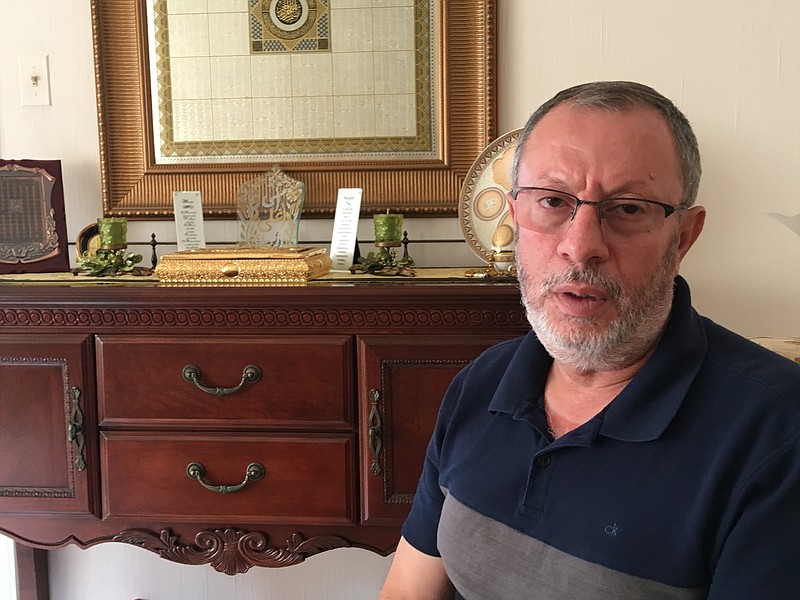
{"type": "Point", "coordinates": [307, 479]}
{"type": "Point", "coordinates": [305, 382]}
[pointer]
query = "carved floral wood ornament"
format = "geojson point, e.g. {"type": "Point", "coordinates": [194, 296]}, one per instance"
{"type": "Point", "coordinates": [230, 551]}
{"type": "Point", "coordinates": [403, 120]}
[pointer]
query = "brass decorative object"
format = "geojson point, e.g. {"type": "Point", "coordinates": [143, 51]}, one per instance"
{"type": "Point", "coordinates": [503, 257]}
{"type": "Point", "coordinates": [75, 430]}
{"type": "Point", "coordinates": [238, 266]}
{"type": "Point", "coordinates": [102, 250]}
{"type": "Point", "coordinates": [88, 240]}
{"type": "Point", "coordinates": [250, 374]}
{"type": "Point", "coordinates": [389, 235]}
{"type": "Point", "coordinates": [254, 472]}
{"type": "Point", "coordinates": [483, 206]}
{"type": "Point", "coordinates": [375, 431]}
{"type": "Point", "coordinates": [484, 212]}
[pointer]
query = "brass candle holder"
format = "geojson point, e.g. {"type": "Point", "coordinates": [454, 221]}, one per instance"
{"type": "Point", "coordinates": [110, 258]}
{"type": "Point", "coordinates": [388, 232]}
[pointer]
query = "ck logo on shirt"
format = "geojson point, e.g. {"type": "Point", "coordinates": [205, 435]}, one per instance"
{"type": "Point", "coordinates": [611, 530]}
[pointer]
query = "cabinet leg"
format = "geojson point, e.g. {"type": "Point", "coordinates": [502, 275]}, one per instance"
{"type": "Point", "coordinates": [32, 579]}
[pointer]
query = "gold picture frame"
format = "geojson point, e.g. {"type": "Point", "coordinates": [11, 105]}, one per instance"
{"type": "Point", "coordinates": [135, 186]}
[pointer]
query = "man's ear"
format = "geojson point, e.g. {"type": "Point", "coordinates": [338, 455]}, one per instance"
{"type": "Point", "coordinates": [691, 226]}
{"type": "Point", "coordinates": [511, 206]}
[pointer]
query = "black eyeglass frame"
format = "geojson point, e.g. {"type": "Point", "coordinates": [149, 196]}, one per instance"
{"type": "Point", "coordinates": [668, 208]}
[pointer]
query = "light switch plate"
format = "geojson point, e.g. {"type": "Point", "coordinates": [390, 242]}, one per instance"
{"type": "Point", "coordinates": [34, 81]}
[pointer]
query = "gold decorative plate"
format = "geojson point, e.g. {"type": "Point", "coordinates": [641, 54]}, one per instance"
{"type": "Point", "coordinates": [88, 240]}
{"type": "Point", "coordinates": [482, 205]}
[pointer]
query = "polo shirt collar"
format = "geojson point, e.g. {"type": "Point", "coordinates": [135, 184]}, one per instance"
{"type": "Point", "coordinates": [524, 379]}
{"type": "Point", "coordinates": [647, 405]}
{"type": "Point", "coordinates": [644, 409]}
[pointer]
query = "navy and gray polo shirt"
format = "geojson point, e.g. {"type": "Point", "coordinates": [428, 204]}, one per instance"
{"type": "Point", "coordinates": [686, 486]}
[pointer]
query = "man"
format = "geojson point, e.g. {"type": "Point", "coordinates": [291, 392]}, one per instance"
{"type": "Point", "coordinates": [628, 447]}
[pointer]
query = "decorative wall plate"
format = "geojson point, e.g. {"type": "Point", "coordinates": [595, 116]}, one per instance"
{"type": "Point", "coordinates": [482, 205]}
{"type": "Point", "coordinates": [88, 240]}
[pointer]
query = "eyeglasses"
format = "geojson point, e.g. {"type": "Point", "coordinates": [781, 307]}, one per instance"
{"type": "Point", "coordinates": [545, 210]}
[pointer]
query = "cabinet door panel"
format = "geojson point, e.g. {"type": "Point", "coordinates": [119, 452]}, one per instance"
{"type": "Point", "coordinates": [46, 424]}
{"type": "Point", "coordinates": [401, 384]}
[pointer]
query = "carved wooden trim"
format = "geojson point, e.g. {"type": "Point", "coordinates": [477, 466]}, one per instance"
{"type": "Point", "coordinates": [36, 492]}
{"type": "Point", "coordinates": [247, 318]}
{"type": "Point", "coordinates": [230, 551]}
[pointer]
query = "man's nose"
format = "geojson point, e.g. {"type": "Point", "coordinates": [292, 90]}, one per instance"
{"type": "Point", "coordinates": [583, 240]}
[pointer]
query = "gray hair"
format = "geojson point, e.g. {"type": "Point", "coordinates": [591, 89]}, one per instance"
{"type": "Point", "coordinates": [621, 96]}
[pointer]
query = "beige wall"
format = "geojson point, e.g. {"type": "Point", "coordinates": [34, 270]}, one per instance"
{"type": "Point", "coordinates": [733, 67]}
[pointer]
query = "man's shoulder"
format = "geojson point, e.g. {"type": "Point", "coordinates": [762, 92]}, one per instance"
{"type": "Point", "coordinates": [751, 364]}
{"type": "Point", "coordinates": [518, 363]}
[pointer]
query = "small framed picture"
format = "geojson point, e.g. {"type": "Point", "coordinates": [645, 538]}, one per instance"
{"type": "Point", "coordinates": [33, 229]}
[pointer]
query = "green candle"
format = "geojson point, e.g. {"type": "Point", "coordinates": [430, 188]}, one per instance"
{"type": "Point", "coordinates": [388, 228]}
{"type": "Point", "coordinates": [113, 232]}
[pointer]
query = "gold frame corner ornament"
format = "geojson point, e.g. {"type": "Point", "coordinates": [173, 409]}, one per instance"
{"type": "Point", "coordinates": [136, 187]}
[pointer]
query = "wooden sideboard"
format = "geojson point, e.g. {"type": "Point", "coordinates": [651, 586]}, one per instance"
{"type": "Point", "coordinates": [235, 427]}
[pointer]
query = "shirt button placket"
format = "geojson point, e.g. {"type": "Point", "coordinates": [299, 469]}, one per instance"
{"type": "Point", "coordinates": [538, 487]}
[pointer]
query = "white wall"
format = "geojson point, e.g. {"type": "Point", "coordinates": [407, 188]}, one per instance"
{"type": "Point", "coordinates": [123, 572]}
{"type": "Point", "coordinates": [733, 67]}
{"type": "Point", "coordinates": [8, 579]}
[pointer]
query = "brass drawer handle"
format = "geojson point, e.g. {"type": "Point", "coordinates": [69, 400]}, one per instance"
{"type": "Point", "coordinates": [375, 432]}
{"type": "Point", "coordinates": [75, 433]}
{"type": "Point", "coordinates": [195, 470]}
{"type": "Point", "coordinates": [191, 373]}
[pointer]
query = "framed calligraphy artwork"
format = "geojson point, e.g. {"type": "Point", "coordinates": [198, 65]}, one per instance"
{"type": "Point", "coordinates": [393, 96]}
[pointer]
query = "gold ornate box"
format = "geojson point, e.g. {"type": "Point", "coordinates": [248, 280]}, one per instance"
{"type": "Point", "coordinates": [243, 265]}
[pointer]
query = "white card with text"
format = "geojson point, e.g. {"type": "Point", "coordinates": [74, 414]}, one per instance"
{"type": "Point", "coordinates": [189, 220]}
{"type": "Point", "coordinates": [345, 226]}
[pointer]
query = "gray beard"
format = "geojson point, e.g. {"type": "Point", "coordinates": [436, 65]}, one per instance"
{"type": "Point", "coordinates": [642, 315]}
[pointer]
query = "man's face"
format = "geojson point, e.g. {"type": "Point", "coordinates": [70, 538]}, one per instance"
{"type": "Point", "coordinates": [598, 300]}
